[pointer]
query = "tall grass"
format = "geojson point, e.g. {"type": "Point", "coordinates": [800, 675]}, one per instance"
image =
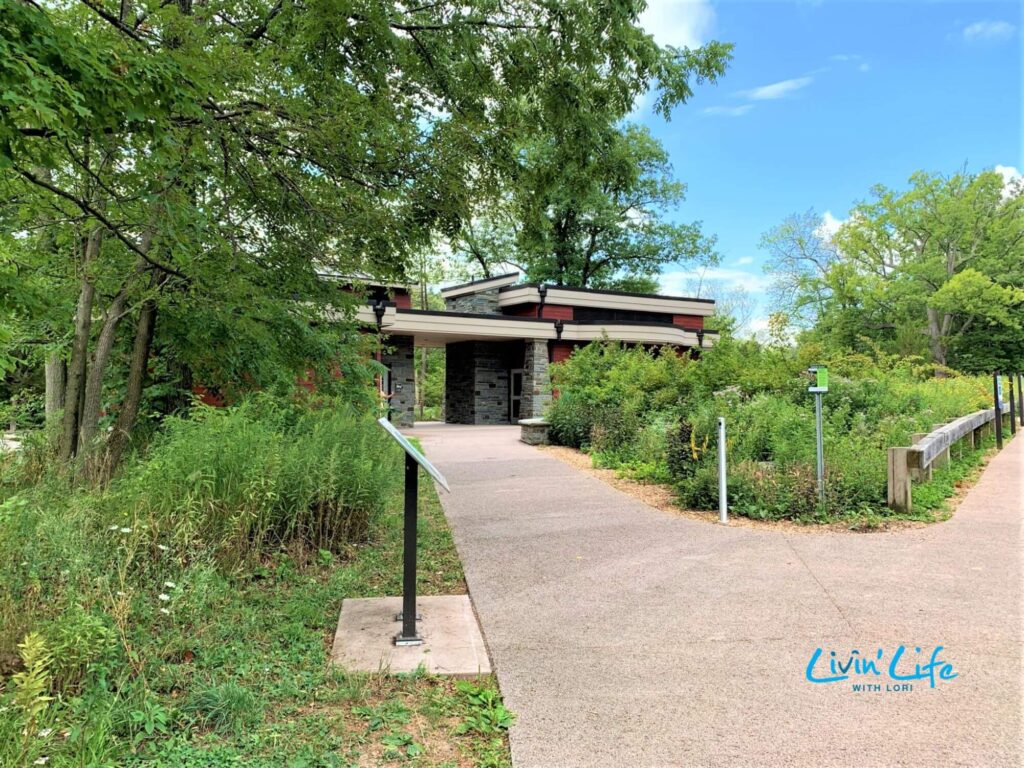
{"type": "Point", "coordinates": [81, 570]}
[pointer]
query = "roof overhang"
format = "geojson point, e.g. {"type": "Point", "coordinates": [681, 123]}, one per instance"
{"type": "Point", "coordinates": [475, 286]}
{"type": "Point", "coordinates": [435, 329]}
{"type": "Point", "coordinates": [573, 297]}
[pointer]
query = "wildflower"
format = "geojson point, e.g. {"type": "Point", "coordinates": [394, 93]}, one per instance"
{"type": "Point", "coordinates": [165, 612]}
{"type": "Point", "coordinates": [163, 548]}
{"type": "Point", "coordinates": [126, 530]}
{"type": "Point", "coordinates": [41, 761]}
{"type": "Point", "coordinates": [170, 585]}
{"type": "Point", "coordinates": [112, 528]}
{"type": "Point", "coordinates": [164, 597]}
{"type": "Point", "coordinates": [45, 732]}
{"type": "Point", "coordinates": [120, 594]}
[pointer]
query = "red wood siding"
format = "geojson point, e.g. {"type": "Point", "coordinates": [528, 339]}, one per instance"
{"type": "Point", "coordinates": [403, 300]}
{"type": "Point", "coordinates": [524, 310]}
{"type": "Point", "coordinates": [688, 321]}
{"type": "Point", "coordinates": [557, 312]}
{"type": "Point", "coordinates": [550, 311]}
{"type": "Point", "coordinates": [561, 350]}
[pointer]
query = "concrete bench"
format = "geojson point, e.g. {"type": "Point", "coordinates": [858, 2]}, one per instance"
{"type": "Point", "coordinates": [534, 431]}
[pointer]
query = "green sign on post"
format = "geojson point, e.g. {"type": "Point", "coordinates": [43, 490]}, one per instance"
{"type": "Point", "coordinates": [820, 378]}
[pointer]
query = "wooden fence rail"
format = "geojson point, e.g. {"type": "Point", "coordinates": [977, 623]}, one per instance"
{"type": "Point", "coordinates": [930, 450]}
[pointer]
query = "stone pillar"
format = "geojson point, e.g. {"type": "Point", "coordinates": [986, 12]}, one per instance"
{"type": "Point", "coordinates": [536, 382]}
{"type": "Point", "coordinates": [398, 356]}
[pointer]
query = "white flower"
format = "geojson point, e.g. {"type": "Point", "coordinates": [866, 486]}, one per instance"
{"type": "Point", "coordinates": [170, 585]}
{"type": "Point", "coordinates": [164, 597]}
{"type": "Point", "coordinates": [45, 732]}
{"type": "Point", "coordinates": [112, 528]}
{"type": "Point", "coordinates": [126, 530]}
{"type": "Point", "coordinates": [165, 611]}
{"type": "Point", "coordinates": [120, 594]}
{"type": "Point", "coordinates": [41, 761]}
{"type": "Point", "coordinates": [162, 548]}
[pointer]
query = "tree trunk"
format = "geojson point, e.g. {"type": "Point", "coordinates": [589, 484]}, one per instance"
{"type": "Point", "coordinates": [127, 416]}
{"type": "Point", "coordinates": [79, 350]}
{"type": "Point", "coordinates": [89, 419]}
{"type": "Point", "coordinates": [936, 343]}
{"type": "Point", "coordinates": [55, 374]}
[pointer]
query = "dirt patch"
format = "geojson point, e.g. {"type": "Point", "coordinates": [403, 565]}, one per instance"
{"type": "Point", "coordinates": [662, 498]}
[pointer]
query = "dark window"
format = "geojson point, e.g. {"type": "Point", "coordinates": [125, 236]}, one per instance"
{"type": "Point", "coordinates": [601, 315]}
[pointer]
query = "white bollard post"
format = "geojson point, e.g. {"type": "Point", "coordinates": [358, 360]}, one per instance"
{"type": "Point", "coordinates": [723, 499]}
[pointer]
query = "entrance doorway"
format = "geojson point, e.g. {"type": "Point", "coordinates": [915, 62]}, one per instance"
{"type": "Point", "coordinates": [515, 399]}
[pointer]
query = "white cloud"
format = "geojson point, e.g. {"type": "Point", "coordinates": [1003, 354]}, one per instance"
{"type": "Point", "coordinates": [829, 226]}
{"type": "Point", "coordinates": [865, 67]}
{"type": "Point", "coordinates": [995, 31]}
{"type": "Point", "coordinates": [1013, 180]}
{"type": "Point", "coordinates": [846, 57]}
{"type": "Point", "coordinates": [777, 90]}
{"type": "Point", "coordinates": [743, 260]}
{"type": "Point", "coordinates": [681, 23]}
{"type": "Point", "coordinates": [682, 282]}
{"type": "Point", "coordinates": [739, 111]}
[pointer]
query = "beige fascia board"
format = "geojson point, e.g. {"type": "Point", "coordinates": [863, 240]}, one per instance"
{"type": "Point", "coordinates": [635, 334]}
{"type": "Point", "coordinates": [530, 295]}
{"type": "Point", "coordinates": [459, 326]}
{"type": "Point", "coordinates": [480, 285]}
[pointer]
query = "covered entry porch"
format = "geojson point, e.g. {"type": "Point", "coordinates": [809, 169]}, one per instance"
{"type": "Point", "coordinates": [496, 369]}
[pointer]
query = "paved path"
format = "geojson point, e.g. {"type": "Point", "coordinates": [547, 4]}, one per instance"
{"type": "Point", "coordinates": [624, 636]}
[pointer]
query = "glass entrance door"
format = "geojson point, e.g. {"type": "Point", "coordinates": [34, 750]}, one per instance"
{"type": "Point", "coordinates": [515, 383]}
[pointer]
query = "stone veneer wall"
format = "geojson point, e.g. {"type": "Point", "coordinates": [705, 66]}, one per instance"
{"type": "Point", "coordinates": [536, 382]}
{"type": "Point", "coordinates": [481, 303]}
{"type": "Point", "coordinates": [476, 381]}
{"type": "Point", "coordinates": [398, 356]}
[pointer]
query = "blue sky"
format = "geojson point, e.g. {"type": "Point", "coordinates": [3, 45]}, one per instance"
{"type": "Point", "coordinates": [824, 100]}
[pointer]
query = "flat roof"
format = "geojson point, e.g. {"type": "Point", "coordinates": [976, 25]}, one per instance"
{"type": "Point", "coordinates": [480, 284]}
{"type": "Point", "coordinates": [606, 292]}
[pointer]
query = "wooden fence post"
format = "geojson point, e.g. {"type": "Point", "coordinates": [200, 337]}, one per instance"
{"type": "Point", "coordinates": [899, 494]}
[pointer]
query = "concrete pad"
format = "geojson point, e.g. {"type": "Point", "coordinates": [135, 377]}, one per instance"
{"type": "Point", "coordinates": [453, 644]}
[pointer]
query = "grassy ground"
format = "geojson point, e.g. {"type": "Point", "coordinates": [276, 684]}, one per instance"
{"type": "Point", "coordinates": [271, 697]}
{"type": "Point", "coordinates": [238, 673]}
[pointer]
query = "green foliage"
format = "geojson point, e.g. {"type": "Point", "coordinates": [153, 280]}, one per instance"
{"type": "Point", "coordinates": [934, 270]}
{"type": "Point", "coordinates": [160, 643]}
{"type": "Point", "coordinates": [654, 417]}
{"type": "Point", "coordinates": [487, 715]}
{"type": "Point", "coordinates": [225, 707]}
{"type": "Point", "coordinates": [233, 481]}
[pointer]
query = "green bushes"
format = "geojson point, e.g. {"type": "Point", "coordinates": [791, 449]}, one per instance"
{"type": "Point", "coordinates": [234, 481]}
{"type": "Point", "coordinates": [654, 417]}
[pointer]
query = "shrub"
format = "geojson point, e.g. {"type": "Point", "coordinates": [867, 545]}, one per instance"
{"type": "Point", "coordinates": [571, 421]}
{"type": "Point", "coordinates": [234, 481]}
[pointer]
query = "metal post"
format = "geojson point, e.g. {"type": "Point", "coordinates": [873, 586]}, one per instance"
{"type": "Point", "coordinates": [723, 494]}
{"type": "Point", "coordinates": [820, 448]}
{"type": "Point", "coordinates": [999, 412]}
{"type": "Point", "coordinates": [1020, 398]}
{"type": "Point", "coordinates": [408, 635]}
{"type": "Point", "coordinates": [1013, 407]}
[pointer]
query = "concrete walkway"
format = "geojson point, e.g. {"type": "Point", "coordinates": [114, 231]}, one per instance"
{"type": "Point", "coordinates": [624, 636]}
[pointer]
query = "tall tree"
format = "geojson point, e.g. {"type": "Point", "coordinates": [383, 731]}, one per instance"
{"type": "Point", "coordinates": [595, 213]}
{"type": "Point", "coordinates": [916, 270]}
{"type": "Point", "coordinates": [197, 163]}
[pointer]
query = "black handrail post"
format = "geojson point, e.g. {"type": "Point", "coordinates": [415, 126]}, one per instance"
{"type": "Point", "coordinates": [999, 412]}
{"type": "Point", "coordinates": [409, 635]}
{"type": "Point", "coordinates": [1013, 408]}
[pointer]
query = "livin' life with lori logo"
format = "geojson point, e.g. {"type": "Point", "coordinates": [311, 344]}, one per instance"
{"type": "Point", "coordinates": [896, 671]}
